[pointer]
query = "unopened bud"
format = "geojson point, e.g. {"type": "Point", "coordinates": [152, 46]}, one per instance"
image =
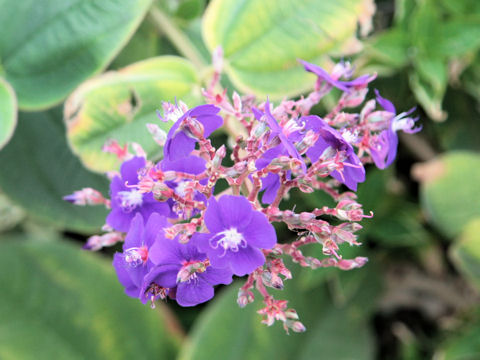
{"type": "Point", "coordinates": [219, 155]}
{"type": "Point", "coordinates": [161, 191]}
{"type": "Point", "coordinates": [217, 59]}
{"type": "Point", "coordinates": [158, 134]}
{"type": "Point", "coordinates": [244, 298]}
{"type": "Point", "coordinates": [345, 264]}
{"type": "Point", "coordinates": [355, 97]}
{"type": "Point", "coordinates": [367, 108]}
{"type": "Point", "coordinates": [237, 102]}
{"type": "Point", "coordinates": [192, 128]}
{"type": "Point", "coordinates": [259, 130]}
{"type": "Point", "coordinates": [291, 314]}
{"type": "Point", "coordinates": [308, 140]}
{"type": "Point", "coordinates": [298, 327]}
{"type": "Point", "coordinates": [86, 196]}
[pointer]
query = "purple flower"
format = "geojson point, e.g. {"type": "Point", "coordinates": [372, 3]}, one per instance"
{"type": "Point", "coordinates": [134, 263]}
{"type": "Point", "coordinates": [333, 81]}
{"type": "Point", "coordinates": [126, 202]}
{"type": "Point", "coordinates": [184, 270]}
{"type": "Point", "coordinates": [353, 171]}
{"type": "Point", "coordinates": [271, 182]}
{"type": "Point", "coordinates": [383, 148]}
{"type": "Point", "coordinates": [287, 135]}
{"type": "Point", "coordinates": [179, 144]}
{"type": "Point", "coordinates": [237, 233]}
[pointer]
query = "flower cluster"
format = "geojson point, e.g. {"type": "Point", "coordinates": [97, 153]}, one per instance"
{"type": "Point", "coordinates": [181, 237]}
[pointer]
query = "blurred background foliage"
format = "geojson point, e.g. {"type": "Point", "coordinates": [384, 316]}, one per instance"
{"type": "Point", "coordinates": [74, 74]}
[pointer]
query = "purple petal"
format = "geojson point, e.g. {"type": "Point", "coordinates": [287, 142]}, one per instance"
{"type": "Point", "coordinates": [166, 251]}
{"type": "Point", "coordinates": [219, 258]}
{"type": "Point", "coordinates": [178, 146]}
{"type": "Point", "coordinates": [379, 150]}
{"type": "Point", "coordinates": [386, 104]}
{"type": "Point", "coordinates": [210, 123]}
{"type": "Point", "coordinates": [313, 122]}
{"type": "Point", "coordinates": [155, 225]}
{"type": "Point", "coordinates": [325, 76]}
{"type": "Point", "coordinates": [162, 275]}
{"type": "Point", "coordinates": [150, 206]}
{"type": "Point", "coordinates": [217, 276]}
{"type": "Point", "coordinates": [257, 113]}
{"type": "Point", "coordinates": [200, 240]}
{"type": "Point", "coordinates": [190, 252]}
{"type": "Point", "coordinates": [392, 146]}
{"type": "Point", "coordinates": [129, 169]}
{"type": "Point", "coordinates": [119, 220]}
{"type": "Point", "coordinates": [271, 184]}
{"type": "Point", "coordinates": [117, 185]}
{"type": "Point", "coordinates": [206, 109]}
{"type": "Point", "coordinates": [317, 150]}
{"type": "Point", "coordinates": [272, 123]}
{"type": "Point", "coordinates": [190, 165]}
{"type": "Point", "coordinates": [135, 233]}
{"type": "Point", "coordinates": [123, 276]}
{"type": "Point", "coordinates": [213, 216]}
{"type": "Point", "coordinates": [235, 211]}
{"type": "Point", "coordinates": [194, 292]}
{"type": "Point", "coordinates": [268, 156]}
{"type": "Point", "coordinates": [245, 261]}
{"type": "Point", "coordinates": [259, 232]}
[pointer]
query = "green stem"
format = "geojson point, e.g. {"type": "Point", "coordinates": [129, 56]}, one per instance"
{"type": "Point", "coordinates": [176, 36]}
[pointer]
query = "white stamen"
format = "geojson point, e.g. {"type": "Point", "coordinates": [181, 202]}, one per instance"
{"type": "Point", "coordinates": [400, 123]}
{"type": "Point", "coordinates": [350, 137]}
{"type": "Point", "coordinates": [181, 188]}
{"type": "Point", "coordinates": [129, 200]}
{"type": "Point", "coordinates": [229, 239]}
{"type": "Point", "coordinates": [292, 126]}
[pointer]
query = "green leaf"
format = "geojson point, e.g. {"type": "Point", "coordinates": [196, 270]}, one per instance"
{"type": "Point", "coordinates": [118, 104]}
{"type": "Point", "coordinates": [463, 346]}
{"type": "Point", "coordinates": [190, 9]}
{"type": "Point", "coordinates": [238, 334]}
{"type": "Point", "coordinates": [49, 47]}
{"type": "Point", "coordinates": [262, 40]}
{"type": "Point", "coordinates": [460, 36]}
{"type": "Point", "coordinates": [38, 169]}
{"type": "Point", "coordinates": [466, 251]}
{"type": "Point", "coordinates": [462, 110]}
{"type": "Point", "coordinates": [386, 53]}
{"type": "Point", "coordinates": [429, 82]}
{"type": "Point", "coordinates": [8, 112]}
{"type": "Point", "coordinates": [144, 44]}
{"type": "Point", "coordinates": [182, 10]}
{"type": "Point", "coordinates": [10, 215]}
{"type": "Point", "coordinates": [450, 195]}
{"type": "Point", "coordinates": [59, 302]}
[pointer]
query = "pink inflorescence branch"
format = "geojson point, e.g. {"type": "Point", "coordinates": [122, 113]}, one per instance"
{"type": "Point", "coordinates": [181, 238]}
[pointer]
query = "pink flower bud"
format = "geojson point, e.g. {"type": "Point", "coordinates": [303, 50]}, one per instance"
{"type": "Point", "coordinates": [297, 326]}
{"type": "Point", "coordinates": [217, 59]}
{"type": "Point", "coordinates": [158, 134]}
{"type": "Point", "coordinates": [291, 314]}
{"type": "Point", "coordinates": [355, 97]}
{"type": "Point", "coordinates": [86, 196]}
{"type": "Point", "coordinates": [192, 128]}
{"type": "Point", "coordinates": [237, 102]}
{"type": "Point", "coordinates": [244, 298]}
{"type": "Point", "coordinates": [345, 264]}
{"type": "Point", "coordinates": [219, 155]}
